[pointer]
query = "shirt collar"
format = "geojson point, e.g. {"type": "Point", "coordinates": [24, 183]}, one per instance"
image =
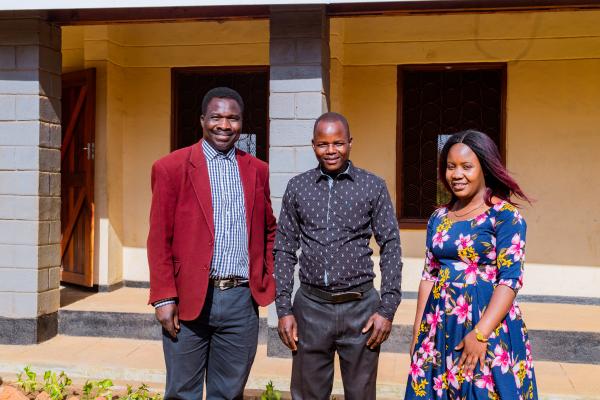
{"type": "Point", "coordinates": [210, 153]}
{"type": "Point", "coordinates": [349, 172]}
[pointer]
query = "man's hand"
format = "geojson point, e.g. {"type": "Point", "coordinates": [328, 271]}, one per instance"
{"type": "Point", "coordinates": [288, 331]}
{"type": "Point", "coordinates": [381, 330]}
{"type": "Point", "coordinates": [168, 316]}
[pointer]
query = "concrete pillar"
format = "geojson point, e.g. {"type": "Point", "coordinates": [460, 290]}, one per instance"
{"type": "Point", "coordinates": [299, 64]}
{"type": "Point", "coordinates": [299, 60]}
{"type": "Point", "coordinates": [30, 140]}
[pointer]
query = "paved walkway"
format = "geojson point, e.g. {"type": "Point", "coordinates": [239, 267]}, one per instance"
{"type": "Point", "coordinates": [126, 360]}
{"type": "Point", "coordinates": [136, 361]}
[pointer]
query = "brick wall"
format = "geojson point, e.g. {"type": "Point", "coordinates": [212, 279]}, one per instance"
{"type": "Point", "coordinates": [299, 59]}
{"type": "Point", "coordinates": [30, 139]}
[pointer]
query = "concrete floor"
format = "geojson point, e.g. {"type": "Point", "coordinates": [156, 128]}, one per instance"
{"type": "Point", "coordinates": [136, 361]}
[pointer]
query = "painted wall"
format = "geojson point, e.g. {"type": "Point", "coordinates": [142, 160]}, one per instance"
{"type": "Point", "coordinates": [134, 64]}
{"type": "Point", "coordinates": [552, 124]}
{"type": "Point", "coordinates": [553, 118]}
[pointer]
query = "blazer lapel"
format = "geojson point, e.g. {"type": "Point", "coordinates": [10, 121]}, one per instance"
{"type": "Point", "coordinates": [201, 183]}
{"type": "Point", "coordinates": [248, 178]}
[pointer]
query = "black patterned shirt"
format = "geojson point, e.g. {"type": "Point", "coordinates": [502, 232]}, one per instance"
{"type": "Point", "coordinates": [331, 221]}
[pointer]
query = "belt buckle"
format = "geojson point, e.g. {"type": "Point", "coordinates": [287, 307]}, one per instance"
{"type": "Point", "coordinates": [359, 295]}
{"type": "Point", "coordinates": [225, 284]}
{"type": "Point", "coordinates": [353, 295]}
{"type": "Point", "coordinates": [336, 296]}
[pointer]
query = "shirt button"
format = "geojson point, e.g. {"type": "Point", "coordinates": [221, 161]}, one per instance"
{"type": "Point", "coordinates": [211, 243]}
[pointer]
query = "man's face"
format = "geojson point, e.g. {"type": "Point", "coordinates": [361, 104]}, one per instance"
{"type": "Point", "coordinates": [332, 145]}
{"type": "Point", "coordinates": [222, 123]}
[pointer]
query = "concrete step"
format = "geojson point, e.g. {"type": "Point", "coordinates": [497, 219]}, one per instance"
{"type": "Point", "coordinates": [120, 313]}
{"type": "Point", "coordinates": [136, 361]}
{"type": "Point", "coordinates": [560, 332]}
{"type": "Point", "coordinates": [548, 315]}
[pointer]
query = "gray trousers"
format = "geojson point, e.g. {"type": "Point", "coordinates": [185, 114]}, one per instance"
{"type": "Point", "coordinates": [219, 347]}
{"type": "Point", "coordinates": [323, 329]}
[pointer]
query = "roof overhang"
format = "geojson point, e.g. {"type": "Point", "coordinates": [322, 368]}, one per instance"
{"type": "Point", "coordinates": [413, 4]}
{"type": "Point", "coordinates": [95, 11]}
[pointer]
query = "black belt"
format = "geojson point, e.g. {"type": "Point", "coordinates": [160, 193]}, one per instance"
{"type": "Point", "coordinates": [228, 283]}
{"type": "Point", "coordinates": [354, 293]}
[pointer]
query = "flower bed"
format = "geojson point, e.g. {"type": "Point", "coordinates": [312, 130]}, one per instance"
{"type": "Point", "coordinates": [60, 387]}
{"type": "Point", "coordinates": [29, 386]}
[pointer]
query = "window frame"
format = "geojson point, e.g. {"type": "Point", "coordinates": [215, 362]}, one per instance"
{"type": "Point", "coordinates": [421, 223]}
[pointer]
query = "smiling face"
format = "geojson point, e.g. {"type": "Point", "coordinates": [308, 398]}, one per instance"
{"type": "Point", "coordinates": [463, 172]}
{"type": "Point", "coordinates": [332, 145]}
{"type": "Point", "coordinates": [222, 123]}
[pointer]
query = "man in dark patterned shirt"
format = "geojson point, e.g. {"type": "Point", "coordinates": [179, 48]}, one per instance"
{"type": "Point", "coordinates": [330, 214]}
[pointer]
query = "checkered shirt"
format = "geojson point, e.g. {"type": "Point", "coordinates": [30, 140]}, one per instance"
{"type": "Point", "coordinates": [230, 255]}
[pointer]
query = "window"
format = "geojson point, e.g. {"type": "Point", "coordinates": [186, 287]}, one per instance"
{"type": "Point", "coordinates": [435, 101]}
{"type": "Point", "coordinates": [191, 84]}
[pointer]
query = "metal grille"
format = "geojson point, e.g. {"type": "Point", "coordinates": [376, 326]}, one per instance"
{"type": "Point", "coordinates": [247, 143]}
{"type": "Point", "coordinates": [436, 104]}
{"type": "Point", "coordinates": [190, 85]}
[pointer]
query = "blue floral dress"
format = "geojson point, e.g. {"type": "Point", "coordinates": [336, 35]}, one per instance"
{"type": "Point", "coordinates": [466, 260]}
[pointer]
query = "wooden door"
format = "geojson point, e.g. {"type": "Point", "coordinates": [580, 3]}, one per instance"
{"type": "Point", "coordinates": [189, 85]}
{"type": "Point", "coordinates": [77, 178]}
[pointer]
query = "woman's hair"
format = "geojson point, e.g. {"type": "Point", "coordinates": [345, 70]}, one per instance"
{"type": "Point", "coordinates": [498, 181]}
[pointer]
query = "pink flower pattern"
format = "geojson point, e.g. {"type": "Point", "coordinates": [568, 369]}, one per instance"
{"type": "Point", "coordinates": [502, 359]}
{"type": "Point", "coordinates": [438, 385]}
{"type": "Point", "coordinates": [428, 348]}
{"type": "Point", "coordinates": [439, 238]}
{"type": "Point", "coordinates": [463, 242]}
{"type": "Point", "coordinates": [463, 310]}
{"type": "Point", "coordinates": [433, 319]}
{"type": "Point", "coordinates": [486, 381]}
{"type": "Point", "coordinates": [492, 251]}
{"type": "Point", "coordinates": [517, 248]}
{"type": "Point", "coordinates": [452, 372]}
{"type": "Point", "coordinates": [471, 269]}
{"type": "Point", "coordinates": [480, 219]}
{"type": "Point", "coordinates": [463, 261]}
{"type": "Point", "coordinates": [416, 369]}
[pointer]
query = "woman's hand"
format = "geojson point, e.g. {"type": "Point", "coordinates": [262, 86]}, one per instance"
{"type": "Point", "coordinates": [473, 351]}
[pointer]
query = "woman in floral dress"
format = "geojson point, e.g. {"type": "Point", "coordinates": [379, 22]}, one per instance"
{"type": "Point", "coordinates": [469, 338]}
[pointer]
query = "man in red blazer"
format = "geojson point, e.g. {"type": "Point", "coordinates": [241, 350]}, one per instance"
{"type": "Point", "coordinates": [210, 254]}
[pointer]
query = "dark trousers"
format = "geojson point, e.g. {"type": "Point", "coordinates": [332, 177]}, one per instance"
{"type": "Point", "coordinates": [323, 329]}
{"type": "Point", "coordinates": [219, 347]}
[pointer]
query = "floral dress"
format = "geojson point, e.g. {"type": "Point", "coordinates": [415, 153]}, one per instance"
{"type": "Point", "coordinates": [466, 260]}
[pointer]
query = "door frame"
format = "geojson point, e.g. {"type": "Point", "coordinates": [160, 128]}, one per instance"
{"type": "Point", "coordinates": [88, 78]}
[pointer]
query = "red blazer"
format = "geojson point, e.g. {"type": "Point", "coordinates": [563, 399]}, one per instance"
{"type": "Point", "coordinates": [181, 238]}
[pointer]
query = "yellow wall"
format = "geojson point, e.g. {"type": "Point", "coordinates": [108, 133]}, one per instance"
{"type": "Point", "coordinates": [553, 94]}
{"type": "Point", "coordinates": [133, 63]}
{"type": "Point", "coordinates": [553, 98]}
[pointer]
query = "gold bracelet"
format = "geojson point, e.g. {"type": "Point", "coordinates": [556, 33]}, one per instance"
{"type": "Point", "coordinates": [480, 338]}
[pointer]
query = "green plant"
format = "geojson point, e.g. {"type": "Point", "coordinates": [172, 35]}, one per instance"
{"type": "Point", "coordinates": [56, 385]}
{"type": "Point", "coordinates": [270, 393]}
{"type": "Point", "coordinates": [26, 380]}
{"type": "Point", "coordinates": [141, 393]}
{"type": "Point", "coordinates": [93, 389]}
